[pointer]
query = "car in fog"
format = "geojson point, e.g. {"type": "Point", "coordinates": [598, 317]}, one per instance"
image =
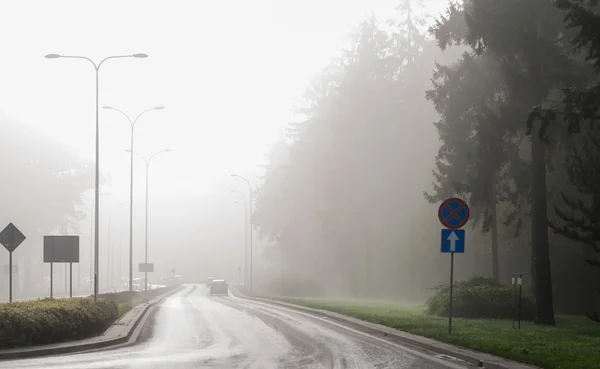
{"type": "Point", "coordinates": [209, 281]}
{"type": "Point", "coordinates": [218, 287]}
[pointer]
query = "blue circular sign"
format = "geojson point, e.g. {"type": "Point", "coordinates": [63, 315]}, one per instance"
{"type": "Point", "coordinates": [453, 213]}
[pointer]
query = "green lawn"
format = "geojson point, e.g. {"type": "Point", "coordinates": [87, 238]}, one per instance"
{"type": "Point", "coordinates": [573, 343]}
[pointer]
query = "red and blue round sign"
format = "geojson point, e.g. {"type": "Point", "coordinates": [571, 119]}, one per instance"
{"type": "Point", "coordinates": [453, 213]}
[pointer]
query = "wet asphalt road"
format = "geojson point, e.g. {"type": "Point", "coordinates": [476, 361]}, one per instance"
{"type": "Point", "coordinates": [193, 330]}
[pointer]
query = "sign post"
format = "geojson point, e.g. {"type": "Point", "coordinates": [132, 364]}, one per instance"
{"type": "Point", "coordinates": [146, 268]}
{"type": "Point", "coordinates": [520, 283]}
{"type": "Point", "coordinates": [11, 238]}
{"type": "Point", "coordinates": [514, 290]}
{"type": "Point", "coordinates": [453, 213]}
{"type": "Point", "coordinates": [61, 249]}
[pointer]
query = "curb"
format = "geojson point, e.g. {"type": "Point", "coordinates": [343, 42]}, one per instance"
{"type": "Point", "coordinates": [78, 346]}
{"type": "Point", "coordinates": [478, 359]}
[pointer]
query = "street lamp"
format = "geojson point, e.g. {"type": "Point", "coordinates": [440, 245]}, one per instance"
{"type": "Point", "coordinates": [250, 221]}
{"type": "Point", "coordinates": [97, 184]}
{"type": "Point", "coordinates": [147, 161]}
{"type": "Point", "coordinates": [91, 231]}
{"type": "Point", "coordinates": [245, 204]}
{"type": "Point", "coordinates": [132, 123]}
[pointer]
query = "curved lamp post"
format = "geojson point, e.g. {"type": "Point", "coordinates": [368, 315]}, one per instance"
{"type": "Point", "coordinates": [147, 161]}
{"type": "Point", "coordinates": [97, 184]}
{"type": "Point", "coordinates": [132, 123]}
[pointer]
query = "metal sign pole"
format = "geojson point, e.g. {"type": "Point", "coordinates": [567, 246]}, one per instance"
{"type": "Point", "coordinates": [11, 238]}
{"type": "Point", "coordinates": [51, 277]}
{"type": "Point", "coordinates": [71, 279]}
{"type": "Point", "coordinates": [451, 285]}
{"type": "Point", "coordinates": [10, 276]}
{"type": "Point", "coordinates": [453, 213]}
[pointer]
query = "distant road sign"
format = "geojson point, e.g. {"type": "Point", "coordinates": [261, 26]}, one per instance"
{"type": "Point", "coordinates": [11, 237]}
{"type": "Point", "coordinates": [453, 213]}
{"type": "Point", "coordinates": [146, 267]}
{"type": "Point", "coordinates": [453, 240]}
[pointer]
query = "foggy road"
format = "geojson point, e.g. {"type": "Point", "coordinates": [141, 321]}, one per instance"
{"type": "Point", "coordinates": [193, 330]}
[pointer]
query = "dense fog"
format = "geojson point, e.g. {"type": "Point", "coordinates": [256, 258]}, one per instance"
{"type": "Point", "coordinates": [350, 134]}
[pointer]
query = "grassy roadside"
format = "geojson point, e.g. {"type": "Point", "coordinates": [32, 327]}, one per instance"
{"type": "Point", "coordinates": [573, 343]}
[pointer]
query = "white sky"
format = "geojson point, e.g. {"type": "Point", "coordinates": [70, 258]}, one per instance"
{"type": "Point", "coordinates": [227, 72]}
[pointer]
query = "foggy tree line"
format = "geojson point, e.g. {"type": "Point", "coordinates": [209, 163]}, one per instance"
{"type": "Point", "coordinates": [41, 191]}
{"type": "Point", "coordinates": [513, 96]}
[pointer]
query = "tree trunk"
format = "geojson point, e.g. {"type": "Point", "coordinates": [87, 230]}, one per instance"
{"type": "Point", "coordinates": [539, 234]}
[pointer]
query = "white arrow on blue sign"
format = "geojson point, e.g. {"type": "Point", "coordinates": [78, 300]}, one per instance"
{"type": "Point", "coordinates": [453, 240]}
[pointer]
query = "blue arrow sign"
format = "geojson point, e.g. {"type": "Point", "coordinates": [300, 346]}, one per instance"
{"type": "Point", "coordinates": [453, 240]}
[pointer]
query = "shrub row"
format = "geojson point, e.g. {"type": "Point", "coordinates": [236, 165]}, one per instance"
{"type": "Point", "coordinates": [480, 297]}
{"type": "Point", "coordinates": [47, 321]}
{"type": "Point", "coordinates": [123, 296]}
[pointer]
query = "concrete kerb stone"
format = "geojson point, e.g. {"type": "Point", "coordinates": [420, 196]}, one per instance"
{"type": "Point", "coordinates": [478, 359]}
{"type": "Point", "coordinates": [116, 334]}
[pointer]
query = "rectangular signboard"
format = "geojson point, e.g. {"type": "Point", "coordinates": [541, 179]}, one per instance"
{"type": "Point", "coordinates": [453, 241]}
{"type": "Point", "coordinates": [146, 268]}
{"type": "Point", "coordinates": [61, 249]}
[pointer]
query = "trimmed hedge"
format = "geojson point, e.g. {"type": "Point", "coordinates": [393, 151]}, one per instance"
{"type": "Point", "coordinates": [124, 296]}
{"type": "Point", "coordinates": [480, 297]}
{"type": "Point", "coordinates": [47, 321]}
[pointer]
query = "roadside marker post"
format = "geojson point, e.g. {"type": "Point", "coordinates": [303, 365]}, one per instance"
{"type": "Point", "coordinates": [520, 283]}
{"type": "Point", "coordinates": [514, 292]}
{"type": "Point", "coordinates": [453, 213]}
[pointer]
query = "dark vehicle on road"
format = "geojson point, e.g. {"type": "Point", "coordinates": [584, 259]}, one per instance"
{"type": "Point", "coordinates": [218, 287]}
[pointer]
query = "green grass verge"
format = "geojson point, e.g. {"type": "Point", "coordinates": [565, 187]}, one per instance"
{"type": "Point", "coordinates": [573, 343]}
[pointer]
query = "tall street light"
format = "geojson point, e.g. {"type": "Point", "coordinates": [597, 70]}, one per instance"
{"type": "Point", "coordinates": [132, 123]}
{"type": "Point", "coordinates": [91, 232]}
{"type": "Point", "coordinates": [250, 221]}
{"type": "Point", "coordinates": [147, 161]}
{"type": "Point", "coordinates": [97, 184]}
{"type": "Point", "coordinates": [245, 205]}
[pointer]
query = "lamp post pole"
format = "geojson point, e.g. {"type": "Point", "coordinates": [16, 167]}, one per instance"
{"type": "Point", "coordinates": [97, 181]}
{"type": "Point", "coordinates": [147, 161]}
{"type": "Point", "coordinates": [132, 123]}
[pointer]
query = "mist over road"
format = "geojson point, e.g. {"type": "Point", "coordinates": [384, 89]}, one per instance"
{"type": "Point", "coordinates": [194, 330]}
